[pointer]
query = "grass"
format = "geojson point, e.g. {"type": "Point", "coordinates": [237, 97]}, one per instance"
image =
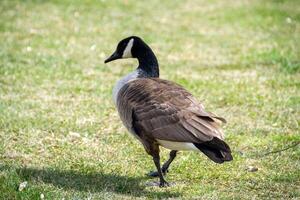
{"type": "Point", "coordinates": [60, 132]}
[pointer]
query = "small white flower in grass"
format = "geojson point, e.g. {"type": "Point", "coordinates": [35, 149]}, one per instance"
{"type": "Point", "coordinates": [42, 196]}
{"type": "Point", "coordinates": [252, 169]}
{"type": "Point", "coordinates": [288, 20]}
{"type": "Point", "coordinates": [93, 47]}
{"type": "Point", "coordinates": [74, 134]}
{"type": "Point", "coordinates": [29, 49]}
{"type": "Point", "coordinates": [89, 197]}
{"type": "Point", "coordinates": [102, 55]}
{"type": "Point", "coordinates": [23, 185]}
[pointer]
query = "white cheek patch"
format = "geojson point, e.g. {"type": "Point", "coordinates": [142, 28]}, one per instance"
{"type": "Point", "coordinates": [127, 51]}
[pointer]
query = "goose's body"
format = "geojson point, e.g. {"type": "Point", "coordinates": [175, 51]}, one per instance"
{"type": "Point", "coordinates": [172, 145]}
{"type": "Point", "coordinates": [162, 113]}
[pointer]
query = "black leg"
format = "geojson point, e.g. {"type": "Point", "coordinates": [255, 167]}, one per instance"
{"type": "Point", "coordinates": [163, 182]}
{"type": "Point", "coordinates": [166, 165]}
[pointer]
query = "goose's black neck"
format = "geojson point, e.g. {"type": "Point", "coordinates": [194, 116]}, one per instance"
{"type": "Point", "coordinates": [148, 64]}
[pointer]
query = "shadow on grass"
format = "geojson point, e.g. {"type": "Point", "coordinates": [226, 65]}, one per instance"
{"type": "Point", "coordinates": [91, 182]}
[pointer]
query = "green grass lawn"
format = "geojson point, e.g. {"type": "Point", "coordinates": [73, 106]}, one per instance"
{"type": "Point", "coordinates": [60, 132]}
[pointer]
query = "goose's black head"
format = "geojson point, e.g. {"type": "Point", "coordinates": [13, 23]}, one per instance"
{"type": "Point", "coordinates": [124, 49]}
{"type": "Point", "coordinates": [135, 47]}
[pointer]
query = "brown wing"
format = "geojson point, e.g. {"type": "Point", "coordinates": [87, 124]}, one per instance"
{"type": "Point", "coordinates": [166, 111]}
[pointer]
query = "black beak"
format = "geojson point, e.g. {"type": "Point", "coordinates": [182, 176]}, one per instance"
{"type": "Point", "coordinates": [114, 56]}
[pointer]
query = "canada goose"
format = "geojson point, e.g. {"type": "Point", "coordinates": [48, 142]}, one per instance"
{"type": "Point", "coordinates": [162, 113]}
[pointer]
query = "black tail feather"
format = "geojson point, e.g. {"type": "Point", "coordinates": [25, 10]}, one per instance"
{"type": "Point", "coordinates": [215, 149]}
